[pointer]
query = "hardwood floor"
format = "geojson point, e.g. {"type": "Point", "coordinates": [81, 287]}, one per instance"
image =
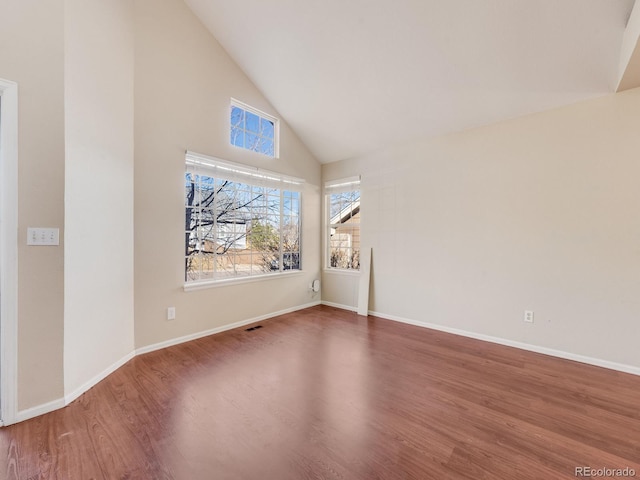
{"type": "Point", "coordinates": [325, 394]}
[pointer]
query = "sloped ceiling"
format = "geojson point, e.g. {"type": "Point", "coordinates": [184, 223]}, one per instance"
{"type": "Point", "coordinates": [355, 76]}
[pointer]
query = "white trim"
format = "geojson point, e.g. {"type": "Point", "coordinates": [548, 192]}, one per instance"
{"type": "Point", "coordinates": [223, 328]}
{"type": "Point", "coordinates": [70, 397]}
{"type": "Point", "coordinates": [342, 184]}
{"type": "Point", "coordinates": [351, 272]}
{"type": "Point", "coordinates": [9, 251]}
{"type": "Point", "coordinates": [39, 410]}
{"type": "Point", "coordinates": [365, 281]}
{"type": "Point", "coordinates": [620, 367]}
{"type": "Point", "coordinates": [204, 284]}
{"type": "Point", "coordinates": [340, 306]}
{"type": "Point", "coordinates": [245, 106]}
{"type": "Point", "coordinates": [247, 173]}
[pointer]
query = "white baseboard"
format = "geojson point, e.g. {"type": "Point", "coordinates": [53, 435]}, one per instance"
{"type": "Point", "coordinates": [340, 306]}
{"type": "Point", "coordinates": [223, 328]}
{"type": "Point", "coordinates": [620, 367]}
{"type": "Point", "coordinates": [70, 397]}
{"type": "Point", "coordinates": [62, 402]}
{"type": "Point", "coordinates": [38, 410]}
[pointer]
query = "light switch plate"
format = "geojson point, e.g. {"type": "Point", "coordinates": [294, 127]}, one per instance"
{"type": "Point", "coordinates": [43, 236]}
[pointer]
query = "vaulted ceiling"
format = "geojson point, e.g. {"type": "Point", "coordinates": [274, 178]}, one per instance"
{"type": "Point", "coordinates": [355, 76]}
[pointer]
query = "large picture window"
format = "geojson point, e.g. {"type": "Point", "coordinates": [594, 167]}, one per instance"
{"type": "Point", "coordinates": [239, 221]}
{"type": "Point", "coordinates": [343, 223]}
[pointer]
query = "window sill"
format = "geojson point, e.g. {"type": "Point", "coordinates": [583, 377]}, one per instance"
{"type": "Point", "coordinates": [204, 284]}
{"type": "Point", "coordinates": [342, 271]}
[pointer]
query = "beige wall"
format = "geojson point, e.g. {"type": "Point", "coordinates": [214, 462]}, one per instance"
{"type": "Point", "coordinates": [538, 213]}
{"type": "Point", "coordinates": [31, 54]}
{"type": "Point", "coordinates": [99, 54]}
{"type": "Point", "coordinates": [183, 84]}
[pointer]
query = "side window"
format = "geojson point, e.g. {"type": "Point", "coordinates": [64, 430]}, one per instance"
{"type": "Point", "coordinates": [343, 224]}
{"type": "Point", "coordinates": [253, 130]}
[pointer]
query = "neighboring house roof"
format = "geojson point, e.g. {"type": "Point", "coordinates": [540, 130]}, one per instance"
{"type": "Point", "coordinates": [346, 213]}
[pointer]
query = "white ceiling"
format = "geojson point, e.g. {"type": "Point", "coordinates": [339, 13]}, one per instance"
{"type": "Point", "coordinates": [355, 76]}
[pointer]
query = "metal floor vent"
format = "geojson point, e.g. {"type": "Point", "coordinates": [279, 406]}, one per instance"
{"type": "Point", "coordinates": [253, 328]}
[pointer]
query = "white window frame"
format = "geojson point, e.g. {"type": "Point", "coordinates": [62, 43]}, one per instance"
{"type": "Point", "coordinates": [222, 169]}
{"type": "Point", "coordinates": [337, 186]}
{"type": "Point", "coordinates": [266, 116]}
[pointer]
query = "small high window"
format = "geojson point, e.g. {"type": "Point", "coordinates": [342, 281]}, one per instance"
{"type": "Point", "coordinates": [253, 129]}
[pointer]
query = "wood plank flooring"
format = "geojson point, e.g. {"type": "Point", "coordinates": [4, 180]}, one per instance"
{"type": "Point", "coordinates": [325, 394]}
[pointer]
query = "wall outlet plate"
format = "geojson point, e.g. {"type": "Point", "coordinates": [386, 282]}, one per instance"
{"type": "Point", "coordinates": [39, 236]}
{"type": "Point", "coordinates": [528, 316]}
{"type": "Point", "coordinates": [43, 236]}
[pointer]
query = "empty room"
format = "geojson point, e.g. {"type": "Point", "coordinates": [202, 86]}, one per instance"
{"type": "Point", "coordinates": [319, 240]}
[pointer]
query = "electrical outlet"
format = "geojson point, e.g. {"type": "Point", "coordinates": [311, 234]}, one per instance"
{"type": "Point", "coordinates": [171, 313]}
{"type": "Point", "coordinates": [528, 316]}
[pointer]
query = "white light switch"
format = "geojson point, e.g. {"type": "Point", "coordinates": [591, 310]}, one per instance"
{"type": "Point", "coordinates": [43, 236]}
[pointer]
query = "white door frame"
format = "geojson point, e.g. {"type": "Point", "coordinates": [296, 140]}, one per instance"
{"type": "Point", "coordinates": [8, 251]}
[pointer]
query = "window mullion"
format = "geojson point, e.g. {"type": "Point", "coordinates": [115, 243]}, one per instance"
{"type": "Point", "coordinates": [200, 240]}
{"type": "Point", "coordinates": [281, 229]}
{"type": "Point", "coordinates": [215, 201]}
{"type": "Point", "coordinates": [328, 233]}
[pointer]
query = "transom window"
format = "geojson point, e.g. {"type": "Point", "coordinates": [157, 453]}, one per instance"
{"type": "Point", "coordinates": [253, 129]}
{"type": "Point", "coordinates": [240, 221]}
{"type": "Point", "coordinates": [343, 223]}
